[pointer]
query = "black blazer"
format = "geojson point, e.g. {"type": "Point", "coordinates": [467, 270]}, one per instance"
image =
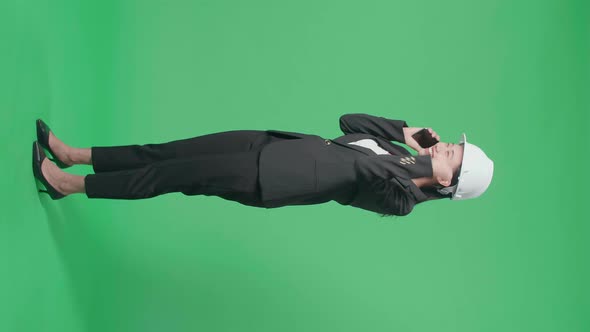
{"type": "Point", "coordinates": [308, 169]}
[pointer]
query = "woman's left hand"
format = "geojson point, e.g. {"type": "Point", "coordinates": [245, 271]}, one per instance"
{"type": "Point", "coordinates": [411, 142]}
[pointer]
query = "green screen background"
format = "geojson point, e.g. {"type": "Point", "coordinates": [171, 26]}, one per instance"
{"type": "Point", "coordinates": [513, 75]}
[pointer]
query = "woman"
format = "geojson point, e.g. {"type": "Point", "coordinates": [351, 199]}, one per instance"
{"type": "Point", "coordinates": [272, 168]}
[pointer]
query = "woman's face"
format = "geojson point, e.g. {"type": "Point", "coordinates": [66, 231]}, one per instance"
{"type": "Point", "coordinates": [448, 153]}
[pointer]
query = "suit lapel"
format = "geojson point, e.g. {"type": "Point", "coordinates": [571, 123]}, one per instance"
{"type": "Point", "coordinates": [394, 149]}
{"type": "Point", "coordinates": [346, 139]}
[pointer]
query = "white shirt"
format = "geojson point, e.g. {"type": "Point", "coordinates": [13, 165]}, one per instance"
{"type": "Point", "coordinates": [370, 144]}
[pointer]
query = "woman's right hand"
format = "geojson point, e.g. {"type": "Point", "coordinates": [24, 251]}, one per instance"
{"type": "Point", "coordinates": [411, 142]}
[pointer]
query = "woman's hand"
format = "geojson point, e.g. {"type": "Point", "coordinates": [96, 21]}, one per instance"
{"type": "Point", "coordinates": [411, 142]}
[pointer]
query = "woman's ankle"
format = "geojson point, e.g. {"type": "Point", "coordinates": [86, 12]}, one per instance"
{"type": "Point", "coordinates": [80, 155]}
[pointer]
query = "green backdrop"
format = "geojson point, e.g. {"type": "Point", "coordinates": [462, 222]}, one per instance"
{"type": "Point", "coordinates": [513, 75]}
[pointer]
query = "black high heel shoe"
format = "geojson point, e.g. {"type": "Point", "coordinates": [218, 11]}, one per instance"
{"type": "Point", "coordinates": [43, 139]}
{"type": "Point", "coordinates": [38, 157]}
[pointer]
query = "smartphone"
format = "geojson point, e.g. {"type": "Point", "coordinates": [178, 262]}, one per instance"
{"type": "Point", "coordinates": [424, 138]}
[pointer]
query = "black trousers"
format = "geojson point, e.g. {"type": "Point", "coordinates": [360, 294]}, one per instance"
{"type": "Point", "coordinates": [221, 164]}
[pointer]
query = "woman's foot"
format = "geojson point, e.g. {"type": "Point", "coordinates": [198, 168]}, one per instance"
{"type": "Point", "coordinates": [63, 182]}
{"type": "Point", "coordinates": [61, 150]}
{"type": "Point", "coordinates": [54, 175]}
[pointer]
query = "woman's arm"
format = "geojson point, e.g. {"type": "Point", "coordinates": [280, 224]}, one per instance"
{"type": "Point", "coordinates": [384, 182]}
{"type": "Point", "coordinates": [384, 197]}
{"type": "Point", "coordinates": [390, 130]}
{"type": "Point", "coordinates": [389, 166]}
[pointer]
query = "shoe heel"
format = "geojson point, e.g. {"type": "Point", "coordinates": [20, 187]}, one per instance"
{"type": "Point", "coordinates": [49, 194]}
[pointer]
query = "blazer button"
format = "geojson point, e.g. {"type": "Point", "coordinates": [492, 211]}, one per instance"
{"type": "Point", "coordinates": [328, 142]}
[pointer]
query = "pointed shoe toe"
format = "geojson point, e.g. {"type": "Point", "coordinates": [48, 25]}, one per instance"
{"type": "Point", "coordinates": [43, 131]}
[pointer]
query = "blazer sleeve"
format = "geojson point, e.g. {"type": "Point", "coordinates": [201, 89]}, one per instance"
{"type": "Point", "coordinates": [391, 130]}
{"type": "Point", "coordinates": [384, 182]}
{"type": "Point", "coordinates": [386, 197]}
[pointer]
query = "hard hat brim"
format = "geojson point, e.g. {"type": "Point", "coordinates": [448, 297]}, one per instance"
{"type": "Point", "coordinates": [462, 140]}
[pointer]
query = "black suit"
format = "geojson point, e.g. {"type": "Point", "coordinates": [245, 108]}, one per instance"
{"type": "Point", "coordinates": [271, 168]}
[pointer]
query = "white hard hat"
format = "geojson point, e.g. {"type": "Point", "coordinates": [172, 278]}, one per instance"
{"type": "Point", "coordinates": [476, 172]}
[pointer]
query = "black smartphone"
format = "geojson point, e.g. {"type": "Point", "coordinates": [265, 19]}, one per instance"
{"type": "Point", "coordinates": [424, 138]}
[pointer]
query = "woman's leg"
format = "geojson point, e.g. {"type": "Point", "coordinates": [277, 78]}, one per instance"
{"type": "Point", "coordinates": [114, 158]}
{"type": "Point", "coordinates": [232, 176]}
